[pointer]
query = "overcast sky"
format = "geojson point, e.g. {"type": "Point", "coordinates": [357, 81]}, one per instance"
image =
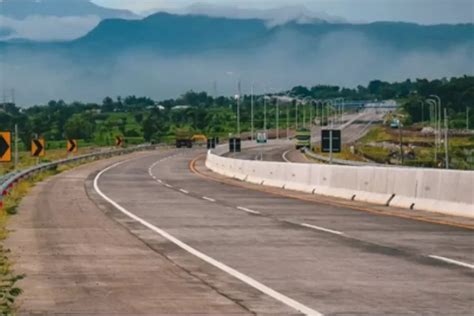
{"type": "Point", "coordinates": [420, 11]}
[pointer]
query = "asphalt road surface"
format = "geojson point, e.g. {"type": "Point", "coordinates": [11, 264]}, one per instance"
{"type": "Point", "coordinates": [148, 236]}
{"type": "Point", "coordinates": [353, 125]}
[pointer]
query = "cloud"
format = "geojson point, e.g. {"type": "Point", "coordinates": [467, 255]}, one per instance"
{"type": "Point", "coordinates": [290, 60]}
{"type": "Point", "coordinates": [47, 28]}
{"type": "Point", "coordinates": [273, 16]}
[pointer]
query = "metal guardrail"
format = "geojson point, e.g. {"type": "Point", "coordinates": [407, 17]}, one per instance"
{"type": "Point", "coordinates": [7, 181]}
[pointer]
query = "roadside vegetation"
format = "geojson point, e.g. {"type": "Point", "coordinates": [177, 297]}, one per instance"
{"type": "Point", "coordinates": [141, 119]}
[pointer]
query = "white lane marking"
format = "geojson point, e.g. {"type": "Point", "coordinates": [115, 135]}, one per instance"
{"type": "Point", "coordinates": [168, 185]}
{"type": "Point", "coordinates": [208, 199]}
{"type": "Point", "coordinates": [247, 210]}
{"type": "Point", "coordinates": [284, 156]}
{"type": "Point", "coordinates": [236, 274]}
{"type": "Point", "coordinates": [159, 181]}
{"type": "Point", "coordinates": [459, 263]}
{"type": "Point", "coordinates": [322, 229]}
{"type": "Point", "coordinates": [184, 191]}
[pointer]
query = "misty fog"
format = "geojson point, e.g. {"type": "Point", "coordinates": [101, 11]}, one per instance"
{"type": "Point", "coordinates": [346, 59]}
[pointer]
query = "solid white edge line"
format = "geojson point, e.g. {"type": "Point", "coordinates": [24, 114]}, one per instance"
{"type": "Point", "coordinates": [184, 191]}
{"type": "Point", "coordinates": [208, 199]}
{"type": "Point", "coordinates": [284, 156]}
{"type": "Point", "coordinates": [247, 210]}
{"type": "Point", "coordinates": [322, 229]}
{"type": "Point", "coordinates": [236, 274]}
{"type": "Point", "coordinates": [459, 263]}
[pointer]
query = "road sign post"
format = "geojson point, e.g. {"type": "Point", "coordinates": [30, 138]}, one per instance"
{"type": "Point", "coordinates": [5, 146]}
{"type": "Point", "coordinates": [331, 142]}
{"type": "Point", "coordinates": [118, 141]}
{"type": "Point", "coordinates": [71, 146]}
{"type": "Point", "coordinates": [38, 147]}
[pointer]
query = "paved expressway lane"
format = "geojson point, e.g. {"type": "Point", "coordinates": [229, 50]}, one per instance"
{"type": "Point", "coordinates": [286, 254]}
{"type": "Point", "coordinates": [353, 125]}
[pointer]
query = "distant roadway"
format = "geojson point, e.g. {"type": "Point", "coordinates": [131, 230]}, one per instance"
{"type": "Point", "coordinates": [158, 234]}
{"type": "Point", "coordinates": [354, 126]}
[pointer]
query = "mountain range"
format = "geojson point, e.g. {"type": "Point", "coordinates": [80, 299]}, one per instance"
{"type": "Point", "coordinates": [166, 54]}
{"type": "Point", "coordinates": [21, 9]}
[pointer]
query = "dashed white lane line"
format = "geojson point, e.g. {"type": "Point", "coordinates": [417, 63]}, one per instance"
{"type": "Point", "coordinates": [238, 275]}
{"type": "Point", "coordinates": [456, 262]}
{"type": "Point", "coordinates": [247, 210]}
{"type": "Point", "coordinates": [168, 185]}
{"type": "Point", "coordinates": [322, 229]}
{"type": "Point", "coordinates": [184, 191]}
{"type": "Point", "coordinates": [208, 199]}
{"type": "Point", "coordinates": [159, 181]}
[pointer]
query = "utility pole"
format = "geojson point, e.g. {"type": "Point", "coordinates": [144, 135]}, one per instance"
{"type": "Point", "coordinates": [287, 121]}
{"type": "Point", "coordinates": [446, 147]}
{"type": "Point", "coordinates": [311, 114]}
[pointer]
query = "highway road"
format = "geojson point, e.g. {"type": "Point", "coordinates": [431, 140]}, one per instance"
{"type": "Point", "coordinates": [353, 125]}
{"type": "Point", "coordinates": [159, 234]}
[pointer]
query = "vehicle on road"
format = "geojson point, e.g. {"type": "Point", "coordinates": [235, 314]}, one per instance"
{"type": "Point", "coordinates": [184, 138]}
{"type": "Point", "coordinates": [303, 138]}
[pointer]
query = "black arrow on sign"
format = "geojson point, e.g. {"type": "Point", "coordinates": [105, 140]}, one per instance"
{"type": "Point", "coordinates": [72, 146]}
{"type": "Point", "coordinates": [3, 146]}
{"type": "Point", "coordinates": [39, 147]}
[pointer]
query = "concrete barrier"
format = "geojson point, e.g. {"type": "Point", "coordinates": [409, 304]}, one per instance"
{"type": "Point", "coordinates": [444, 191]}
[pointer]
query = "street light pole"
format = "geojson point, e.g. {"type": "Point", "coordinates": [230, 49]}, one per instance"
{"type": "Point", "coordinates": [467, 118]}
{"type": "Point", "coordinates": [446, 147]}
{"type": "Point", "coordinates": [438, 117]}
{"type": "Point", "coordinates": [287, 121]}
{"type": "Point", "coordinates": [277, 114]}
{"type": "Point", "coordinates": [296, 116]}
{"type": "Point", "coordinates": [433, 104]}
{"type": "Point", "coordinates": [252, 112]}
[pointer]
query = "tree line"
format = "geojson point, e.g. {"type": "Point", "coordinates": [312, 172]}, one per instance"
{"type": "Point", "coordinates": [142, 117]}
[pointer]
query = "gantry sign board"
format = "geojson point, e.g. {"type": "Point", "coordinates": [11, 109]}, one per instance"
{"type": "Point", "coordinates": [5, 146]}
{"type": "Point", "coordinates": [331, 140]}
{"type": "Point", "coordinates": [72, 146]}
{"type": "Point", "coordinates": [38, 147]}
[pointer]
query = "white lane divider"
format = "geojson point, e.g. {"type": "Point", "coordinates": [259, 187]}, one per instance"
{"type": "Point", "coordinates": [184, 191]}
{"type": "Point", "coordinates": [456, 262]}
{"type": "Point", "coordinates": [247, 210]}
{"type": "Point", "coordinates": [284, 156]}
{"type": "Point", "coordinates": [236, 274]}
{"type": "Point", "coordinates": [322, 229]}
{"type": "Point", "coordinates": [208, 199]}
{"type": "Point", "coordinates": [168, 185]}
